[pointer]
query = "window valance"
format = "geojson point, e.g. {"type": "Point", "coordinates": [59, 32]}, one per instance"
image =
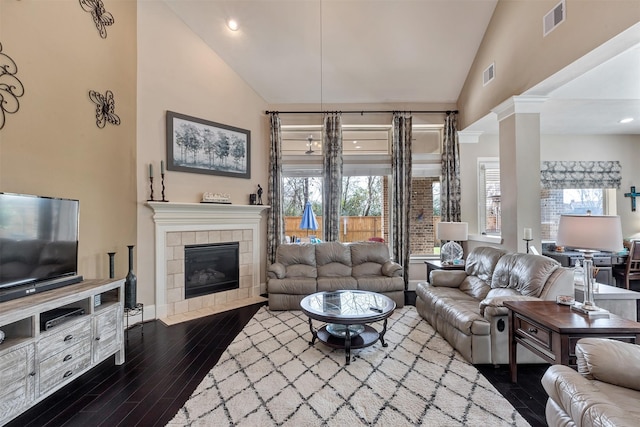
{"type": "Point", "coordinates": [580, 174]}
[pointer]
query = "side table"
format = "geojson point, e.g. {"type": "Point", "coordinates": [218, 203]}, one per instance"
{"type": "Point", "coordinates": [436, 264]}
{"type": "Point", "coordinates": [551, 331]}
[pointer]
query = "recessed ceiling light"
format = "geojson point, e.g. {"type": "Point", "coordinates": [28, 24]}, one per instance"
{"type": "Point", "coordinates": [232, 24]}
{"type": "Point", "coordinates": [627, 120]}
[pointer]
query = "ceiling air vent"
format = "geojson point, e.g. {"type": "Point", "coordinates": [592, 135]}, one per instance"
{"type": "Point", "coordinates": [554, 18]}
{"type": "Point", "coordinates": [488, 74]}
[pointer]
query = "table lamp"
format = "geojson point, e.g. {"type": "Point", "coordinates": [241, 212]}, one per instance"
{"type": "Point", "coordinates": [589, 234]}
{"type": "Point", "coordinates": [451, 231]}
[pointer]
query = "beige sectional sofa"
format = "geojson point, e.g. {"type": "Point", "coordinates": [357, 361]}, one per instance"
{"type": "Point", "coordinates": [466, 308]}
{"type": "Point", "coordinates": [303, 269]}
{"type": "Point", "coordinates": [605, 390]}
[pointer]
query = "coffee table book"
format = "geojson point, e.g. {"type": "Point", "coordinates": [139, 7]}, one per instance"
{"type": "Point", "coordinates": [592, 313]}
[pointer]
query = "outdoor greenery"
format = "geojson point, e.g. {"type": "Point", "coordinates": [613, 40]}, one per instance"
{"type": "Point", "coordinates": [361, 195]}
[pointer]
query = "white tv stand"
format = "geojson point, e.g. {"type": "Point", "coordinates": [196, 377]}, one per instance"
{"type": "Point", "coordinates": [34, 363]}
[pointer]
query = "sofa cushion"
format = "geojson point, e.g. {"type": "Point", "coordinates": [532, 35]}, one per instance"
{"type": "Point", "coordinates": [591, 402]}
{"type": "Point", "coordinates": [334, 283]}
{"type": "Point", "coordinates": [367, 258]}
{"type": "Point", "coordinates": [464, 315]}
{"type": "Point", "coordinates": [380, 283]}
{"type": "Point", "coordinates": [481, 262]}
{"type": "Point", "coordinates": [475, 287]}
{"type": "Point", "coordinates": [299, 260]}
{"type": "Point", "coordinates": [293, 286]}
{"type": "Point", "coordinates": [611, 361]}
{"type": "Point", "coordinates": [428, 292]}
{"type": "Point", "coordinates": [526, 273]}
{"type": "Point", "coordinates": [333, 260]}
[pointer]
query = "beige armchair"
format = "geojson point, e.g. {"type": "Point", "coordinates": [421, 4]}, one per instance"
{"type": "Point", "coordinates": [605, 390]}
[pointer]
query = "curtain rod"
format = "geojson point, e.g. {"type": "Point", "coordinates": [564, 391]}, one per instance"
{"type": "Point", "coordinates": [362, 112]}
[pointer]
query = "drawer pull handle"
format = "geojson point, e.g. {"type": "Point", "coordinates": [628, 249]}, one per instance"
{"type": "Point", "coordinates": [67, 358]}
{"type": "Point", "coordinates": [533, 330]}
{"type": "Point", "coordinates": [68, 337]}
{"type": "Point", "coordinates": [67, 374]}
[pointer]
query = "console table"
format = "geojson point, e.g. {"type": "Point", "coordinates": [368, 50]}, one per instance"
{"type": "Point", "coordinates": [36, 361]}
{"type": "Point", "coordinates": [551, 331]}
{"type": "Point", "coordinates": [620, 301]}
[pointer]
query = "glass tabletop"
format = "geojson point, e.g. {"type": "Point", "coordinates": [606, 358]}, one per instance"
{"type": "Point", "coordinates": [348, 305]}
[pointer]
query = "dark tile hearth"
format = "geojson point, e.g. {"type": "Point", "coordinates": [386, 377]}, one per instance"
{"type": "Point", "coordinates": [166, 364]}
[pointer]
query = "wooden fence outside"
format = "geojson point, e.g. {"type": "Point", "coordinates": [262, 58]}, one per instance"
{"type": "Point", "coordinates": [358, 228]}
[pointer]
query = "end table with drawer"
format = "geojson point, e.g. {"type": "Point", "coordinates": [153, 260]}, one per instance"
{"type": "Point", "coordinates": [551, 331]}
{"type": "Point", "coordinates": [436, 264]}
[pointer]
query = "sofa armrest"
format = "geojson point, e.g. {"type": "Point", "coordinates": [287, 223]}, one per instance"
{"type": "Point", "coordinates": [447, 278]}
{"type": "Point", "coordinates": [494, 306]}
{"type": "Point", "coordinates": [276, 271]}
{"type": "Point", "coordinates": [610, 361]}
{"type": "Point", "coordinates": [392, 269]}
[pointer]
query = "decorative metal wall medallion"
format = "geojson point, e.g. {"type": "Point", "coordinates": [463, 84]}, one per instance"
{"type": "Point", "coordinates": [11, 87]}
{"type": "Point", "coordinates": [100, 16]}
{"type": "Point", "coordinates": [105, 108]}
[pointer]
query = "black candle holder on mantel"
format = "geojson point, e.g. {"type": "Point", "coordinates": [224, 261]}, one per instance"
{"type": "Point", "coordinates": [163, 199]}
{"type": "Point", "coordinates": [150, 199]}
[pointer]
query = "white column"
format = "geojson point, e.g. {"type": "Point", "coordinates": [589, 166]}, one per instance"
{"type": "Point", "coordinates": [519, 140]}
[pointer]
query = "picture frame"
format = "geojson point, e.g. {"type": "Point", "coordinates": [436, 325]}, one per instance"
{"type": "Point", "coordinates": [202, 146]}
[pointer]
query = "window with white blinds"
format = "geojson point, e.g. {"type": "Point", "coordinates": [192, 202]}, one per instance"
{"type": "Point", "coordinates": [489, 197]}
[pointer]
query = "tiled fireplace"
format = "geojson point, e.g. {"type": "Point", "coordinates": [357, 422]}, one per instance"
{"type": "Point", "coordinates": [184, 224]}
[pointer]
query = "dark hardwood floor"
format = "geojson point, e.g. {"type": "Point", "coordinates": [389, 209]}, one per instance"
{"type": "Point", "coordinates": [165, 364]}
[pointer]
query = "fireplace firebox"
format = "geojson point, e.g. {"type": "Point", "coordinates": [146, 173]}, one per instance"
{"type": "Point", "coordinates": [211, 268]}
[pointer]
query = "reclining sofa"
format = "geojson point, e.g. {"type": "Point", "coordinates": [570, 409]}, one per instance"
{"type": "Point", "coordinates": [303, 269]}
{"type": "Point", "coordinates": [604, 391]}
{"type": "Point", "coordinates": [466, 307]}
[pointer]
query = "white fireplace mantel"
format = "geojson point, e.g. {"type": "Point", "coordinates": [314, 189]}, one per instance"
{"type": "Point", "coordinates": [180, 217]}
{"type": "Point", "coordinates": [195, 213]}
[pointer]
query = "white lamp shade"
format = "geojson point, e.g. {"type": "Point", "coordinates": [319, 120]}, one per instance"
{"type": "Point", "coordinates": [593, 232]}
{"type": "Point", "coordinates": [452, 231]}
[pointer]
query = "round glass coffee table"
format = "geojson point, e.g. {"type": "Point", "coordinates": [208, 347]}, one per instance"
{"type": "Point", "coordinates": [346, 314]}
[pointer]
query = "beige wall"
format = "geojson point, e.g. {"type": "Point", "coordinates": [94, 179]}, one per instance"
{"type": "Point", "coordinates": [523, 57]}
{"type": "Point", "coordinates": [178, 72]}
{"type": "Point", "coordinates": [52, 146]}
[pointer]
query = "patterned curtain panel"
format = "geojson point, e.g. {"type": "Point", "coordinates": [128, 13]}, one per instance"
{"type": "Point", "coordinates": [401, 181]}
{"type": "Point", "coordinates": [450, 185]}
{"type": "Point", "coordinates": [332, 175]}
{"type": "Point", "coordinates": [275, 217]}
{"type": "Point", "coordinates": [559, 175]}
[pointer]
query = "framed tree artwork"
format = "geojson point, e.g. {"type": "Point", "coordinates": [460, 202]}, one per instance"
{"type": "Point", "coordinates": [202, 146]}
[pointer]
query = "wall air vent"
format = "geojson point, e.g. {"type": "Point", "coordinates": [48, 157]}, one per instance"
{"type": "Point", "coordinates": [488, 74]}
{"type": "Point", "coordinates": [555, 17]}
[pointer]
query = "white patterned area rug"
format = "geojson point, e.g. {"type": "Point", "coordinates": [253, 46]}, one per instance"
{"type": "Point", "coordinates": [270, 376]}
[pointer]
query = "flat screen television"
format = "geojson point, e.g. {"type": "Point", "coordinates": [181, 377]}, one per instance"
{"type": "Point", "coordinates": [38, 244]}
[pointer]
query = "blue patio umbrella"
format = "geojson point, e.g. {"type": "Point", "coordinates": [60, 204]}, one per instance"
{"type": "Point", "coordinates": [308, 221]}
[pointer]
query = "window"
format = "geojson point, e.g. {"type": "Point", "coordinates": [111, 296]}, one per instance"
{"type": "Point", "coordinates": [296, 191]}
{"type": "Point", "coordinates": [489, 212]}
{"type": "Point", "coordinates": [366, 181]}
{"type": "Point", "coordinates": [556, 202]}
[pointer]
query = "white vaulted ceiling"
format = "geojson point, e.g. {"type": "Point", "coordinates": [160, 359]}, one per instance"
{"type": "Point", "coordinates": [397, 51]}
{"type": "Point", "coordinates": [372, 51]}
